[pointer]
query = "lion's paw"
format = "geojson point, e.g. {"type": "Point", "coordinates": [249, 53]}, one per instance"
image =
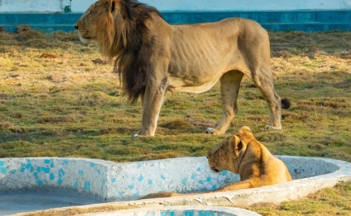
{"type": "Point", "coordinates": [213, 131]}
{"type": "Point", "coordinates": [135, 135]}
{"type": "Point", "coordinates": [268, 127]}
{"type": "Point", "coordinates": [210, 130]}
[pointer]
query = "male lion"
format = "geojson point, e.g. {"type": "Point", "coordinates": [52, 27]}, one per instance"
{"type": "Point", "coordinates": [244, 155]}
{"type": "Point", "coordinates": [152, 57]}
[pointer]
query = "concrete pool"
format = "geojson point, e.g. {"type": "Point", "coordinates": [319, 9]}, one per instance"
{"type": "Point", "coordinates": [61, 182]}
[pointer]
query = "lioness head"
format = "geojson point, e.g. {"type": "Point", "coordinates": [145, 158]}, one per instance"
{"type": "Point", "coordinates": [228, 154]}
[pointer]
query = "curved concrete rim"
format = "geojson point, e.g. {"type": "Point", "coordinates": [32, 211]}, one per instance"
{"type": "Point", "coordinates": [294, 190]}
{"type": "Point", "coordinates": [201, 210]}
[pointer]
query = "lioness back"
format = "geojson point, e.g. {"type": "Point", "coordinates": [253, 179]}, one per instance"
{"type": "Point", "coordinates": [278, 171]}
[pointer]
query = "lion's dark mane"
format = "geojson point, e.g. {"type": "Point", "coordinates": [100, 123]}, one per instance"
{"type": "Point", "coordinates": [133, 47]}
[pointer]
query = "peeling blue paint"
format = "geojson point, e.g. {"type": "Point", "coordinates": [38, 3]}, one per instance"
{"type": "Point", "coordinates": [36, 175]}
{"type": "Point", "coordinates": [113, 180]}
{"type": "Point", "coordinates": [2, 163]}
{"type": "Point", "coordinates": [193, 176]}
{"type": "Point", "coordinates": [209, 213]}
{"type": "Point", "coordinates": [61, 173]}
{"type": "Point", "coordinates": [208, 179]}
{"type": "Point", "coordinates": [81, 172]}
{"type": "Point", "coordinates": [188, 213]}
{"type": "Point", "coordinates": [28, 166]}
{"type": "Point", "coordinates": [162, 177]}
{"type": "Point", "coordinates": [184, 181]}
{"type": "Point", "coordinates": [131, 187]}
{"type": "Point", "coordinates": [149, 182]}
{"type": "Point", "coordinates": [47, 161]}
{"type": "Point", "coordinates": [103, 185]}
{"type": "Point", "coordinates": [140, 178]}
{"type": "Point", "coordinates": [3, 170]}
{"type": "Point", "coordinates": [52, 176]}
{"type": "Point", "coordinates": [87, 186]}
{"type": "Point", "coordinates": [45, 169]}
{"type": "Point", "coordinates": [40, 182]}
{"type": "Point", "coordinates": [75, 186]}
{"type": "Point", "coordinates": [59, 181]}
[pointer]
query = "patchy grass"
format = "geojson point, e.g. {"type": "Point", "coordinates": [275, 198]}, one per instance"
{"type": "Point", "coordinates": [59, 97]}
{"type": "Point", "coordinates": [330, 201]}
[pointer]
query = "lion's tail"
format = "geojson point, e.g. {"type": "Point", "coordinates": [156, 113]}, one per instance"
{"type": "Point", "coordinates": [285, 103]}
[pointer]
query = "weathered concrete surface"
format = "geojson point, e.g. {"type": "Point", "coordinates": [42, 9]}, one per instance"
{"type": "Point", "coordinates": [127, 181]}
{"type": "Point", "coordinates": [180, 211]}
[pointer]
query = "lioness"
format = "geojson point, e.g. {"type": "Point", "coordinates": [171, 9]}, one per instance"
{"type": "Point", "coordinates": [243, 155]}
{"type": "Point", "coordinates": [152, 57]}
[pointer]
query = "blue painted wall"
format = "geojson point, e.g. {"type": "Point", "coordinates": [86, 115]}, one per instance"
{"type": "Point", "coordinates": [308, 21]}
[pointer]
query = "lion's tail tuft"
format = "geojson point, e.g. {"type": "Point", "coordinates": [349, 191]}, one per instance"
{"type": "Point", "coordinates": [285, 103]}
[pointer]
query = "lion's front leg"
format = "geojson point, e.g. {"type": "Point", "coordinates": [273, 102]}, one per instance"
{"type": "Point", "coordinates": [161, 194]}
{"type": "Point", "coordinates": [152, 101]}
{"type": "Point", "coordinates": [236, 186]}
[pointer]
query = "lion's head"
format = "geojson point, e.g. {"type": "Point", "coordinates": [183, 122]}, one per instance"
{"type": "Point", "coordinates": [230, 152]}
{"type": "Point", "coordinates": [120, 30]}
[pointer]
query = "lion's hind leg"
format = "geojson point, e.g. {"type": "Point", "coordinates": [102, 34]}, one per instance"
{"type": "Point", "coordinates": [264, 81]}
{"type": "Point", "coordinates": [230, 84]}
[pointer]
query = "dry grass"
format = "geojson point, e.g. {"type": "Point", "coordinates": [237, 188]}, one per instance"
{"type": "Point", "coordinates": [61, 98]}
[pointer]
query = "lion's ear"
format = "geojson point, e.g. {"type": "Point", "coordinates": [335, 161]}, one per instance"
{"type": "Point", "coordinates": [113, 6]}
{"type": "Point", "coordinates": [109, 4]}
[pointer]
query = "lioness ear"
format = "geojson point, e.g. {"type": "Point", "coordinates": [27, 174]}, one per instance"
{"type": "Point", "coordinates": [239, 146]}
{"type": "Point", "coordinates": [244, 129]}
